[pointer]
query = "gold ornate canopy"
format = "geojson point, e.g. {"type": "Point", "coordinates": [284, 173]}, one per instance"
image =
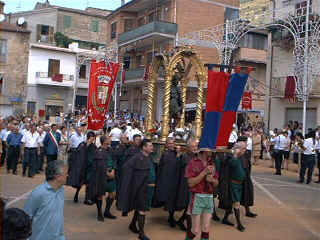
{"type": "Point", "coordinates": [169, 61]}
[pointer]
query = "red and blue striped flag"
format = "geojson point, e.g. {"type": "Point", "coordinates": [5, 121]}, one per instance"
{"type": "Point", "coordinates": [224, 94]}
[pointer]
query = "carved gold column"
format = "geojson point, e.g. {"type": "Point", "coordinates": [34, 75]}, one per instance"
{"type": "Point", "coordinates": [166, 103]}
{"type": "Point", "coordinates": [184, 87]}
{"type": "Point", "coordinates": [198, 121]}
{"type": "Point", "coordinates": [150, 99]}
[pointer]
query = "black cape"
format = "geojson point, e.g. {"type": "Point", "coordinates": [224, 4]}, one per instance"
{"type": "Point", "coordinates": [167, 180]}
{"type": "Point", "coordinates": [248, 191]}
{"type": "Point", "coordinates": [77, 166]}
{"type": "Point", "coordinates": [98, 180]}
{"type": "Point", "coordinates": [182, 199]}
{"type": "Point", "coordinates": [133, 193]}
{"type": "Point", "coordinates": [225, 189]}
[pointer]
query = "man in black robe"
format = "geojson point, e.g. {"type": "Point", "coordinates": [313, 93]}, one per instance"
{"type": "Point", "coordinates": [133, 194]}
{"type": "Point", "coordinates": [76, 161]}
{"type": "Point", "coordinates": [183, 194]}
{"type": "Point", "coordinates": [134, 148]}
{"type": "Point", "coordinates": [99, 178]}
{"type": "Point", "coordinates": [248, 191]}
{"type": "Point", "coordinates": [119, 158]}
{"type": "Point", "coordinates": [167, 179]}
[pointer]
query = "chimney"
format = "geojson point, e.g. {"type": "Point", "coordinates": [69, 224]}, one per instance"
{"type": "Point", "coordinates": [1, 7]}
{"type": "Point", "coordinates": [123, 2]}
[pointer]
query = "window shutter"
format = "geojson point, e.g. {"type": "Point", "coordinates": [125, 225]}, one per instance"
{"type": "Point", "coordinates": [38, 32]}
{"type": "Point", "coordinates": [51, 38]}
{"type": "Point", "coordinates": [95, 26]}
{"type": "Point", "coordinates": [67, 21]}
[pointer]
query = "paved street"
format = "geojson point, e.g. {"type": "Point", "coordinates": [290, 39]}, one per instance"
{"type": "Point", "coordinates": [286, 210]}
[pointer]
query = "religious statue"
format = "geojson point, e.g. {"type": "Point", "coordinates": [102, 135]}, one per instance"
{"type": "Point", "coordinates": [176, 103]}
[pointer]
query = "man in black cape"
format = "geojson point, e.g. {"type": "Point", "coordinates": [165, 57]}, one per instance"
{"type": "Point", "coordinates": [119, 158]}
{"type": "Point", "coordinates": [133, 194]}
{"type": "Point", "coordinates": [248, 192]}
{"type": "Point", "coordinates": [76, 162]}
{"type": "Point", "coordinates": [183, 194]}
{"type": "Point", "coordinates": [134, 148]}
{"type": "Point", "coordinates": [167, 180]}
{"type": "Point", "coordinates": [225, 186]}
{"type": "Point", "coordinates": [99, 179]}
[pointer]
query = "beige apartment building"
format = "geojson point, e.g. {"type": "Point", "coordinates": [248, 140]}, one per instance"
{"type": "Point", "coordinates": [143, 28]}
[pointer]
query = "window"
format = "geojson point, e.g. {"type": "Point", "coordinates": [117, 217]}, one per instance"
{"type": "Point", "coordinates": [67, 21]}
{"type": "Point", "coordinates": [128, 25]}
{"type": "Point", "coordinates": [31, 108]}
{"type": "Point", "coordinates": [44, 33]}
{"type": "Point", "coordinates": [126, 62]}
{"type": "Point", "coordinates": [139, 61]}
{"type": "Point", "coordinates": [1, 83]}
{"type": "Point", "coordinates": [95, 26]}
{"type": "Point", "coordinates": [113, 30]}
{"type": "Point", "coordinates": [54, 67]}
{"type": "Point", "coordinates": [231, 14]}
{"type": "Point", "coordinates": [254, 41]}
{"type": "Point", "coordinates": [152, 17]}
{"type": "Point", "coordinates": [3, 50]}
{"type": "Point", "coordinates": [141, 21]}
{"type": "Point", "coordinates": [149, 57]}
{"type": "Point", "coordinates": [82, 73]}
{"type": "Point", "coordinates": [301, 7]}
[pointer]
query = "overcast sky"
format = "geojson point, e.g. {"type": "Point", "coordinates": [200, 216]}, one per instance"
{"type": "Point", "coordinates": [25, 5]}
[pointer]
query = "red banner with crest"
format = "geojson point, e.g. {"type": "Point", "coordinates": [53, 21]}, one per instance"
{"type": "Point", "coordinates": [247, 100]}
{"type": "Point", "coordinates": [102, 80]}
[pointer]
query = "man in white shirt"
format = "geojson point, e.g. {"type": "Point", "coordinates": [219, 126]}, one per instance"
{"type": "Point", "coordinates": [42, 134]}
{"type": "Point", "coordinates": [30, 149]}
{"type": "Point", "coordinates": [308, 158]}
{"type": "Point", "coordinates": [280, 143]}
{"type": "Point", "coordinates": [233, 137]}
{"type": "Point", "coordinates": [115, 135]}
{"type": "Point", "coordinates": [128, 130]}
{"type": "Point", "coordinates": [135, 131]}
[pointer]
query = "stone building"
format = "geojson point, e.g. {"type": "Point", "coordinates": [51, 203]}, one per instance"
{"type": "Point", "coordinates": [14, 53]}
{"type": "Point", "coordinates": [87, 27]}
{"type": "Point", "coordinates": [143, 28]}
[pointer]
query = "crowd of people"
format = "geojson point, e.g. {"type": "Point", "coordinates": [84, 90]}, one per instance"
{"type": "Point", "coordinates": [120, 165]}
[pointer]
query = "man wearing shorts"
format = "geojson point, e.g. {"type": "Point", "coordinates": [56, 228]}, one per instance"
{"type": "Point", "coordinates": [202, 179]}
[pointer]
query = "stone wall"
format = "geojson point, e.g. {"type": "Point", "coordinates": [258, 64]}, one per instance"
{"type": "Point", "coordinates": [15, 69]}
{"type": "Point", "coordinates": [81, 27]}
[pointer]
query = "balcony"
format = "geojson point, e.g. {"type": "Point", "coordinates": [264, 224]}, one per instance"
{"type": "Point", "coordinates": [252, 55]}
{"type": "Point", "coordinates": [83, 83]}
{"type": "Point", "coordinates": [278, 86]}
{"type": "Point", "coordinates": [61, 80]}
{"type": "Point", "coordinates": [158, 30]}
{"type": "Point", "coordinates": [136, 75]}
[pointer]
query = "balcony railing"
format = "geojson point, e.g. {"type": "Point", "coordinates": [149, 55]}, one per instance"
{"type": "Point", "coordinates": [137, 74]}
{"type": "Point", "coordinates": [153, 27]}
{"type": "Point", "coordinates": [64, 80]}
{"type": "Point", "coordinates": [278, 86]}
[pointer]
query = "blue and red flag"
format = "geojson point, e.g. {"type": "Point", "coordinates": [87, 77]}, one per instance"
{"type": "Point", "coordinates": [224, 94]}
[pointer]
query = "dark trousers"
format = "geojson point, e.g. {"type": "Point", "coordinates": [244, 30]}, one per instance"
{"type": "Point", "coordinates": [307, 162]}
{"type": "Point", "coordinates": [51, 158]}
{"type": "Point", "coordinates": [30, 161]}
{"type": "Point", "coordinates": [278, 160]}
{"type": "Point", "coordinates": [114, 144]}
{"type": "Point", "coordinates": [41, 159]}
{"type": "Point", "coordinates": [12, 158]}
{"type": "Point", "coordinates": [4, 153]}
{"type": "Point", "coordinates": [296, 157]}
